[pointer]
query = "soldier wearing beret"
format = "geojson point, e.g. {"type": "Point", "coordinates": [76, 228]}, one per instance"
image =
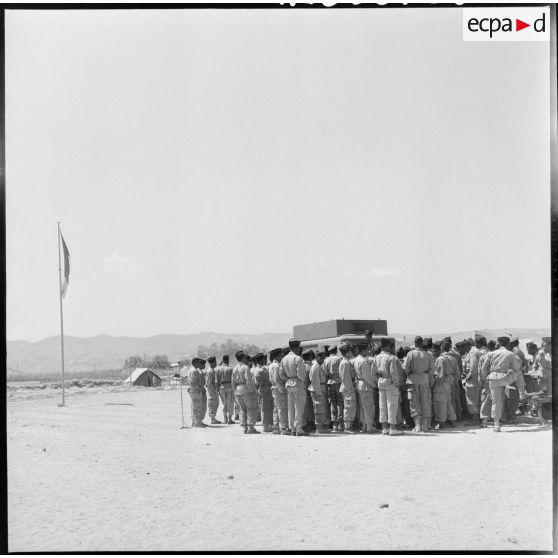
{"type": "Point", "coordinates": [292, 367]}
{"type": "Point", "coordinates": [212, 390]}
{"type": "Point", "coordinates": [263, 385]}
{"type": "Point", "coordinates": [331, 365]}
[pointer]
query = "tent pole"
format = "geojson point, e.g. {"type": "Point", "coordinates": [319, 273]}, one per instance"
{"type": "Point", "coordinates": [181, 398]}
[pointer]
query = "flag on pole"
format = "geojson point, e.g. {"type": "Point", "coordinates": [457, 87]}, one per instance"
{"type": "Point", "coordinates": [66, 267]}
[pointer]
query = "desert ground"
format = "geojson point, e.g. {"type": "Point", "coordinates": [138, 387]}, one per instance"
{"type": "Point", "coordinates": [113, 471]}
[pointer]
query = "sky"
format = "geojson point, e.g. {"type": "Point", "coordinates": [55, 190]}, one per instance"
{"type": "Point", "coordinates": [243, 171]}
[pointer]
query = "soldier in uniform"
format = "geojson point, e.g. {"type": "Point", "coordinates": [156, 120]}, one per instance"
{"type": "Point", "coordinates": [224, 373]}
{"type": "Point", "coordinates": [511, 393]}
{"type": "Point", "coordinates": [388, 373]}
{"type": "Point", "coordinates": [530, 381]}
{"type": "Point", "coordinates": [245, 393]}
{"type": "Point", "coordinates": [292, 367]}
{"type": "Point", "coordinates": [366, 380]}
{"type": "Point", "coordinates": [196, 390]}
{"type": "Point", "coordinates": [405, 409]}
{"type": "Point", "coordinates": [263, 385]}
{"type": "Point", "coordinates": [373, 350]}
{"type": "Point", "coordinates": [347, 388]}
{"type": "Point", "coordinates": [212, 390]}
{"type": "Point", "coordinates": [418, 367]}
{"type": "Point", "coordinates": [309, 421]}
{"type": "Point", "coordinates": [331, 365]}
{"type": "Point", "coordinates": [543, 372]}
{"type": "Point", "coordinates": [501, 368]}
{"type": "Point", "coordinates": [318, 391]}
{"type": "Point", "coordinates": [444, 375]}
{"type": "Point", "coordinates": [485, 398]}
{"type": "Point", "coordinates": [279, 392]}
{"type": "Point", "coordinates": [201, 368]}
{"type": "Point", "coordinates": [456, 389]}
{"type": "Point", "coordinates": [472, 386]}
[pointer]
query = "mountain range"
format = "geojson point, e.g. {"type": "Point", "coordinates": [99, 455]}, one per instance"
{"type": "Point", "coordinates": [105, 352]}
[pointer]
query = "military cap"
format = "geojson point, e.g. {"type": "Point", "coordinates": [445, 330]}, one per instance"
{"type": "Point", "coordinates": [239, 355]}
{"type": "Point", "coordinates": [385, 343]}
{"type": "Point", "coordinates": [503, 339]}
{"type": "Point", "coordinates": [259, 356]}
{"type": "Point", "coordinates": [531, 345]}
{"type": "Point", "coordinates": [274, 352]}
{"type": "Point", "coordinates": [470, 341]}
{"type": "Point", "coordinates": [547, 339]}
{"type": "Point", "coordinates": [458, 345]}
{"type": "Point", "coordinates": [225, 357]}
{"type": "Point", "coordinates": [514, 338]}
{"type": "Point", "coordinates": [345, 348]}
{"type": "Point", "coordinates": [211, 359]}
{"type": "Point", "coordinates": [294, 343]}
{"type": "Point", "coordinates": [320, 354]}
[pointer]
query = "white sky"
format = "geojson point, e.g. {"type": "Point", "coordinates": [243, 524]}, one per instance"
{"type": "Point", "coordinates": [247, 170]}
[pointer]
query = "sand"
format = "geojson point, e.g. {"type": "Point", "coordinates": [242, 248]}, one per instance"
{"type": "Point", "coordinates": [113, 471]}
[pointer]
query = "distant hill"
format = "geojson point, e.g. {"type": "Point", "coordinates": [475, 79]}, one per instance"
{"type": "Point", "coordinates": [107, 352]}
{"type": "Point", "coordinates": [104, 352]}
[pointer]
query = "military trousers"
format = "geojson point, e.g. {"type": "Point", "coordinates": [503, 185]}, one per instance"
{"type": "Point", "coordinates": [308, 416]}
{"type": "Point", "coordinates": [280, 409]}
{"type": "Point", "coordinates": [486, 403]}
{"type": "Point", "coordinates": [511, 402]}
{"type": "Point", "coordinates": [212, 401]}
{"type": "Point", "coordinates": [335, 402]}
{"type": "Point", "coordinates": [456, 399]}
{"type": "Point", "coordinates": [227, 399]}
{"type": "Point", "coordinates": [296, 396]}
{"type": "Point", "coordinates": [196, 397]}
{"type": "Point", "coordinates": [472, 393]}
{"type": "Point", "coordinates": [248, 407]}
{"type": "Point", "coordinates": [266, 403]}
{"type": "Point", "coordinates": [419, 400]}
{"type": "Point", "coordinates": [443, 405]}
{"type": "Point", "coordinates": [404, 405]}
{"type": "Point", "coordinates": [366, 405]}
{"type": "Point", "coordinates": [319, 401]}
{"type": "Point", "coordinates": [389, 405]}
{"type": "Point", "coordinates": [349, 405]}
{"type": "Point", "coordinates": [497, 393]}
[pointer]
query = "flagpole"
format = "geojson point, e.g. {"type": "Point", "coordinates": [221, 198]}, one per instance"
{"type": "Point", "coordinates": [181, 397]}
{"type": "Point", "coordinates": [61, 315]}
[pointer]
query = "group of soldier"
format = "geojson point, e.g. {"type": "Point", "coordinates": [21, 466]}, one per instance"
{"type": "Point", "coordinates": [366, 388]}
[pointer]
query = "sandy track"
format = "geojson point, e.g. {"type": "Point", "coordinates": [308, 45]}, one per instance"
{"type": "Point", "coordinates": [101, 474]}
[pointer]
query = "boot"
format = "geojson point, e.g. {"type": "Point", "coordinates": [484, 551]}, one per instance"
{"type": "Point", "coordinates": [230, 421]}
{"type": "Point", "coordinates": [334, 428]}
{"type": "Point", "coordinates": [394, 431]}
{"type": "Point", "coordinates": [341, 427]}
{"type": "Point", "coordinates": [484, 423]}
{"type": "Point", "coordinates": [252, 430]}
{"type": "Point", "coordinates": [215, 421]}
{"type": "Point", "coordinates": [496, 426]}
{"type": "Point", "coordinates": [285, 432]}
{"type": "Point", "coordinates": [418, 427]}
{"type": "Point", "coordinates": [385, 428]}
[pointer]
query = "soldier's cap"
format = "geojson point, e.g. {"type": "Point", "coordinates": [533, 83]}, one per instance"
{"type": "Point", "coordinates": [239, 355]}
{"type": "Point", "coordinates": [514, 338]}
{"type": "Point", "coordinates": [294, 343]}
{"type": "Point", "coordinates": [400, 352]}
{"type": "Point", "coordinates": [225, 357]}
{"type": "Point", "coordinates": [345, 348]}
{"type": "Point", "coordinates": [503, 339]}
{"type": "Point", "coordinates": [386, 342]}
{"type": "Point", "coordinates": [470, 341]}
{"type": "Point", "coordinates": [308, 354]}
{"type": "Point", "coordinates": [532, 345]}
{"type": "Point", "coordinates": [458, 345]}
{"type": "Point", "coordinates": [333, 349]}
{"type": "Point", "coordinates": [211, 359]}
{"type": "Point", "coordinates": [202, 361]}
{"type": "Point", "coordinates": [275, 352]}
{"type": "Point", "coordinates": [259, 357]}
{"type": "Point", "coordinates": [547, 339]}
{"type": "Point", "coordinates": [320, 354]}
{"type": "Point", "coordinates": [448, 339]}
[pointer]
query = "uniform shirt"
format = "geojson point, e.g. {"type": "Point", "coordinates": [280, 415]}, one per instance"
{"type": "Point", "coordinates": [502, 360]}
{"type": "Point", "coordinates": [261, 376]}
{"type": "Point", "coordinates": [318, 378]}
{"type": "Point", "coordinates": [195, 378]}
{"type": "Point", "coordinates": [445, 369]}
{"type": "Point", "coordinates": [366, 374]}
{"type": "Point", "coordinates": [347, 376]}
{"type": "Point", "coordinates": [520, 355]}
{"type": "Point", "coordinates": [388, 370]}
{"type": "Point", "coordinates": [210, 379]}
{"type": "Point", "coordinates": [473, 357]}
{"type": "Point", "coordinates": [418, 366]}
{"type": "Point", "coordinates": [242, 380]}
{"type": "Point", "coordinates": [331, 365]}
{"type": "Point", "coordinates": [292, 366]}
{"type": "Point", "coordinates": [543, 361]}
{"type": "Point", "coordinates": [457, 357]}
{"type": "Point", "coordinates": [483, 352]}
{"type": "Point", "coordinates": [277, 382]}
{"type": "Point", "coordinates": [223, 375]}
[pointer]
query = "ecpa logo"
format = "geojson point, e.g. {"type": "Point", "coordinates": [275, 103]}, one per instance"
{"type": "Point", "coordinates": [506, 24]}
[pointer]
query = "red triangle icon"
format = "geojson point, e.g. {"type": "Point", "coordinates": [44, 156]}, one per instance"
{"type": "Point", "coordinates": [519, 25]}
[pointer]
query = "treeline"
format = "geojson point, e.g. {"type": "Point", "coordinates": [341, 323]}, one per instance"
{"type": "Point", "coordinates": [229, 348]}
{"type": "Point", "coordinates": [158, 362]}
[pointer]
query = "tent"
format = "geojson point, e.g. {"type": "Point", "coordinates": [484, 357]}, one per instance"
{"type": "Point", "coordinates": [144, 377]}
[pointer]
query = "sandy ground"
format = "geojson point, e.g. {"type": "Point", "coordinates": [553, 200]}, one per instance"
{"type": "Point", "coordinates": [113, 471]}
